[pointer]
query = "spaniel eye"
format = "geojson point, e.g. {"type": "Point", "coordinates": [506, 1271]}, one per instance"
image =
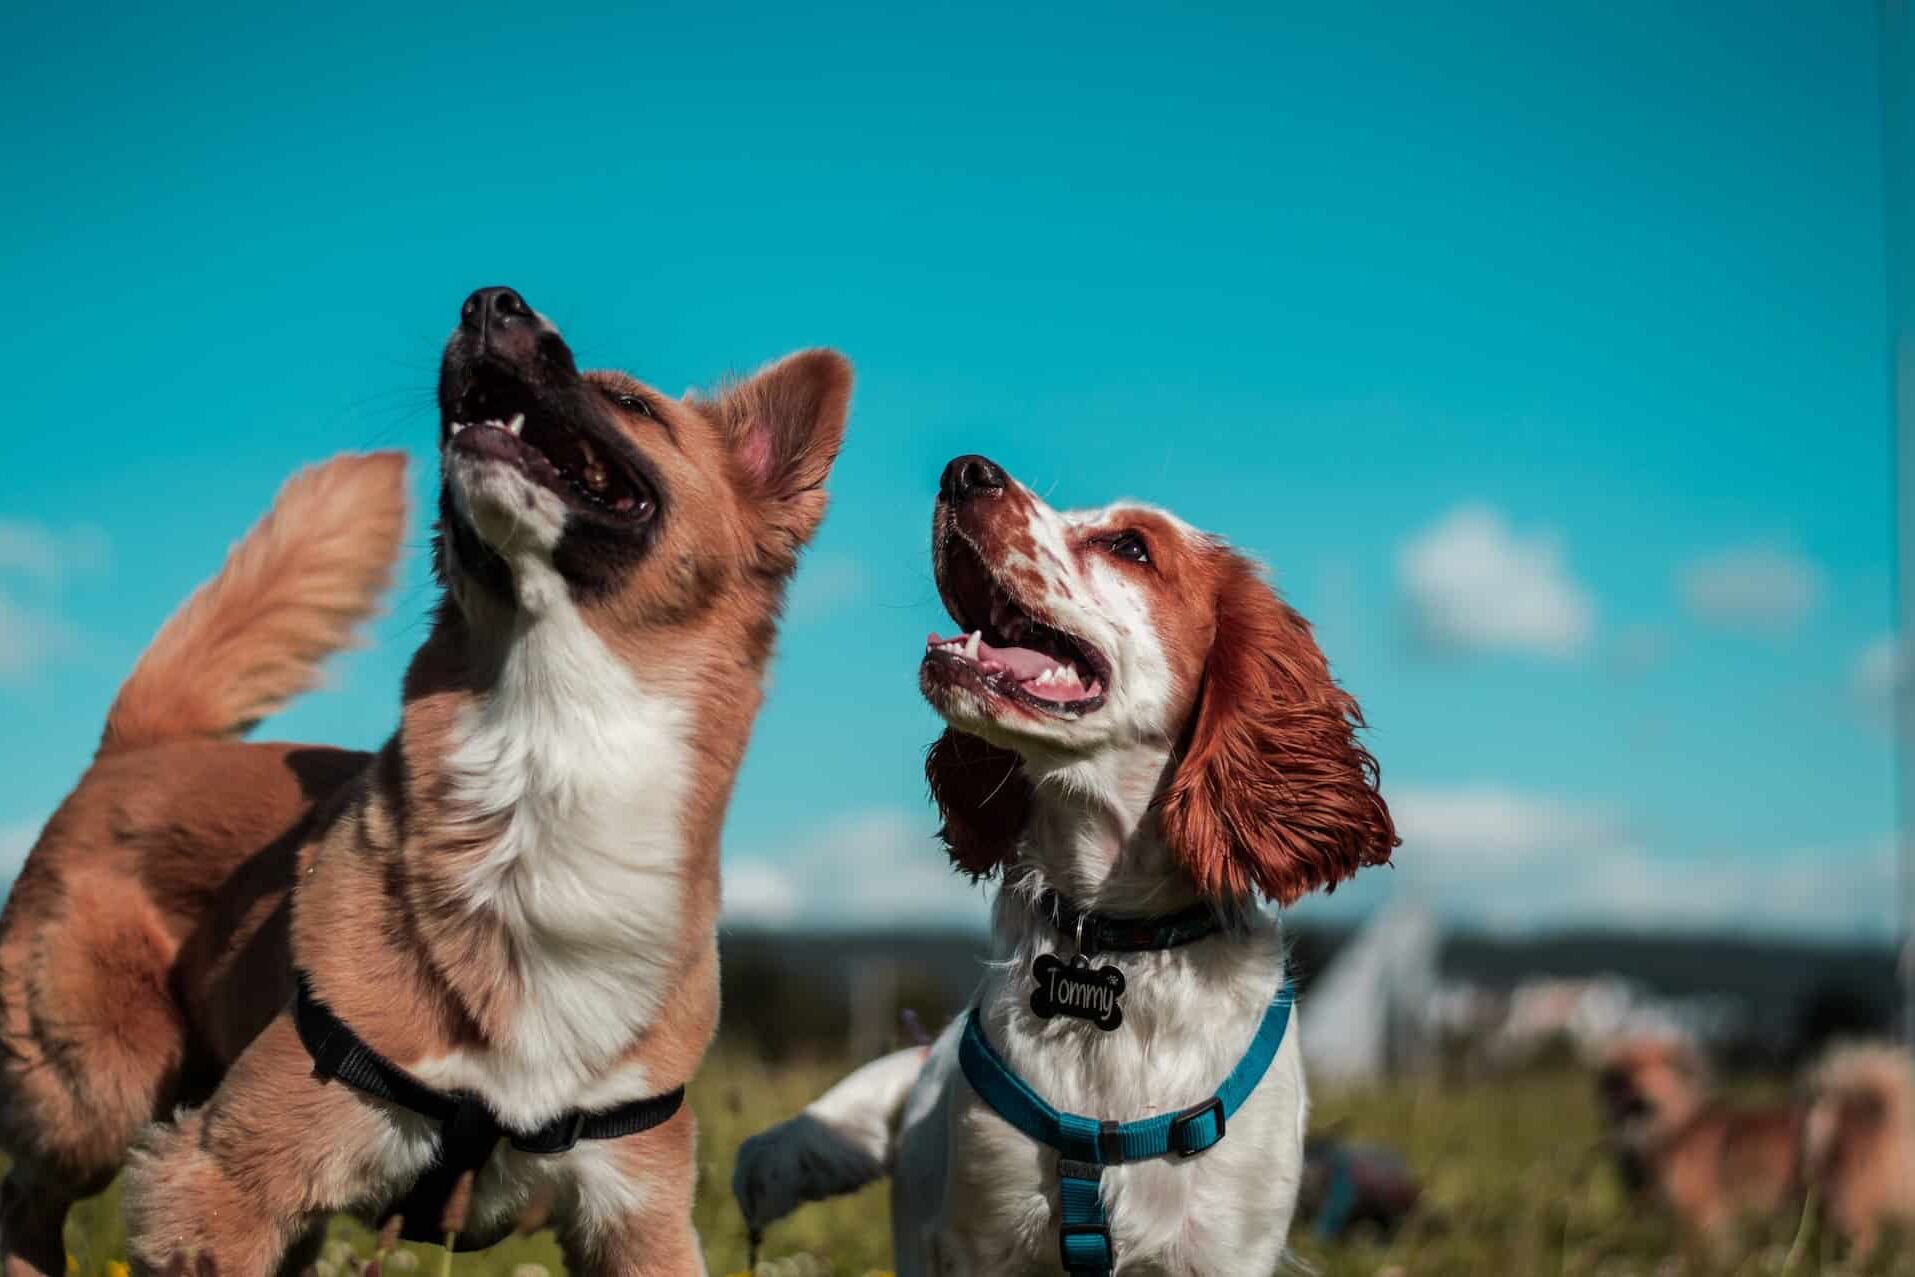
{"type": "Point", "coordinates": [634, 403]}
{"type": "Point", "coordinates": [1128, 545]}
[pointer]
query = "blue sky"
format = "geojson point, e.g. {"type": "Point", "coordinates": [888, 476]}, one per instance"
{"type": "Point", "coordinates": [1539, 349]}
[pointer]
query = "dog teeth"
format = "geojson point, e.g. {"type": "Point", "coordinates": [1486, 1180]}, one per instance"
{"type": "Point", "coordinates": [1056, 676]}
{"type": "Point", "coordinates": [458, 426]}
{"type": "Point", "coordinates": [967, 646]}
{"type": "Point", "coordinates": [517, 423]}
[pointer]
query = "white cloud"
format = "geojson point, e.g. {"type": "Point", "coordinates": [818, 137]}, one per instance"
{"type": "Point", "coordinates": [43, 556]}
{"type": "Point", "coordinates": [824, 584]}
{"type": "Point", "coordinates": [1751, 587]}
{"type": "Point", "coordinates": [762, 893]}
{"type": "Point", "coordinates": [1512, 861]}
{"type": "Point", "coordinates": [1472, 583]}
{"type": "Point", "coordinates": [1837, 893]}
{"type": "Point", "coordinates": [1487, 856]}
{"type": "Point", "coordinates": [881, 867]}
{"type": "Point", "coordinates": [1878, 675]}
{"type": "Point", "coordinates": [36, 550]}
{"type": "Point", "coordinates": [1488, 827]}
{"type": "Point", "coordinates": [28, 638]}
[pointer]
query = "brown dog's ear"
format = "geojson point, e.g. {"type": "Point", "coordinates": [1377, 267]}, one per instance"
{"type": "Point", "coordinates": [1273, 793]}
{"type": "Point", "coordinates": [983, 798]}
{"type": "Point", "coordinates": [784, 424]}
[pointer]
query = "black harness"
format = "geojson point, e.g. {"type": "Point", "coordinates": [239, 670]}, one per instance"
{"type": "Point", "coordinates": [468, 1129]}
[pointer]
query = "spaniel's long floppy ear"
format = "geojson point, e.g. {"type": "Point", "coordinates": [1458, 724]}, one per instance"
{"type": "Point", "coordinates": [1273, 793]}
{"type": "Point", "coordinates": [784, 424]}
{"type": "Point", "coordinates": [983, 797]}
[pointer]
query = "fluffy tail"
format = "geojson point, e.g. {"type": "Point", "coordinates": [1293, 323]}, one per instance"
{"type": "Point", "coordinates": [840, 1143]}
{"type": "Point", "coordinates": [1862, 1106]}
{"type": "Point", "coordinates": [289, 595]}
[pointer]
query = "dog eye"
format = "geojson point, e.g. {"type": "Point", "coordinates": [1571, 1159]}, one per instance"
{"type": "Point", "coordinates": [1128, 545]}
{"type": "Point", "coordinates": [634, 403]}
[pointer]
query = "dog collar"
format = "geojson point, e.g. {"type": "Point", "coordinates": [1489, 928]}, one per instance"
{"type": "Point", "coordinates": [1095, 933]}
{"type": "Point", "coordinates": [1085, 1145]}
{"type": "Point", "coordinates": [469, 1131]}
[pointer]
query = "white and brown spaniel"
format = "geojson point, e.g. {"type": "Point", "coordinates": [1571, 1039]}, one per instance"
{"type": "Point", "coordinates": [1139, 730]}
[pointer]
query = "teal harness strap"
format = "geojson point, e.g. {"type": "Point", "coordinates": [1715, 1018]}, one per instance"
{"type": "Point", "coordinates": [1085, 1145]}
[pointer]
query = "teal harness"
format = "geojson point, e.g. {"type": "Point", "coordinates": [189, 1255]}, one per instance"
{"type": "Point", "coordinates": [1085, 1145]}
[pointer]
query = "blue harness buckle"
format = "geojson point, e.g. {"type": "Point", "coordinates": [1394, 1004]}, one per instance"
{"type": "Point", "coordinates": [1085, 1248]}
{"type": "Point", "coordinates": [1084, 1243]}
{"type": "Point", "coordinates": [1188, 1142]}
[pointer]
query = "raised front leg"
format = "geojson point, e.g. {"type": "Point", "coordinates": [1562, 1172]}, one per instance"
{"type": "Point", "coordinates": [244, 1178]}
{"type": "Point", "coordinates": [633, 1206]}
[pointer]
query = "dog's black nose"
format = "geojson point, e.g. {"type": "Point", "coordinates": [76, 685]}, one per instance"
{"type": "Point", "coordinates": [493, 308]}
{"type": "Point", "coordinates": [968, 476]}
{"type": "Point", "coordinates": [495, 325]}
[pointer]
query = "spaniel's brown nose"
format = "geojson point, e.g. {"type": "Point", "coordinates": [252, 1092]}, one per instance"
{"type": "Point", "coordinates": [970, 476]}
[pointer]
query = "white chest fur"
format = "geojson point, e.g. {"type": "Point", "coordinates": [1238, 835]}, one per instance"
{"type": "Point", "coordinates": [586, 768]}
{"type": "Point", "coordinates": [1189, 1015]}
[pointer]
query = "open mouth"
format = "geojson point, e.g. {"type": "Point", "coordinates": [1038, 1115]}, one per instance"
{"type": "Point", "coordinates": [589, 473]}
{"type": "Point", "coordinates": [1006, 650]}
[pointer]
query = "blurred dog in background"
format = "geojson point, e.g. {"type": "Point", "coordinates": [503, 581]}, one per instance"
{"type": "Point", "coordinates": [1848, 1139]}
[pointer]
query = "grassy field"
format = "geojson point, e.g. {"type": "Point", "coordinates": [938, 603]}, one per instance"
{"type": "Point", "coordinates": [1513, 1187]}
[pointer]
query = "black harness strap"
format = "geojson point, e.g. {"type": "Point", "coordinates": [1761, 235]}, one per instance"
{"type": "Point", "coordinates": [469, 1130]}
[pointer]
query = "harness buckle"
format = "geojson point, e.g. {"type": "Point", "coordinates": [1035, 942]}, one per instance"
{"type": "Point", "coordinates": [1185, 1142]}
{"type": "Point", "coordinates": [1093, 1251]}
{"type": "Point", "coordinates": [560, 1136]}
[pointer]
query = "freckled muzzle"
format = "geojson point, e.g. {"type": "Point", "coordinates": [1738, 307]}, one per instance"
{"type": "Point", "coordinates": [1010, 652]}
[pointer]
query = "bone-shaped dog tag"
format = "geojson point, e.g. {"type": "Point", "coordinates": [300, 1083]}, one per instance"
{"type": "Point", "coordinates": [1078, 989]}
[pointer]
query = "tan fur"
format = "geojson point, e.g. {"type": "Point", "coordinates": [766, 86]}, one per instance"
{"type": "Point", "coordinates": [127, 946]}
{"type": "Point", "coordinates": [1861, 1140]}
{"type": "Point", "coordinates": [1715, 1164]}
{"type": "Point", "coordinates": [148, 949]}
{"type": "Point", "coordinates": [289, 596]}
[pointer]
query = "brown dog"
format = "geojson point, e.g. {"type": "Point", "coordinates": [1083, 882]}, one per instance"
{"type": "Point", "coordinates": [1711, 1164]}
{"type": "Point", "coordinates": [513, 901]}
{"type": "Point", "coordinates": [1859, 1137]}
{"type": "Point", "coordinates": [1850, 1140]}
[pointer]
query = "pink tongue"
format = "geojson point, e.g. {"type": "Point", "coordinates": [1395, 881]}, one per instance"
{"type": "Point", "coordinates": [1022, 662]}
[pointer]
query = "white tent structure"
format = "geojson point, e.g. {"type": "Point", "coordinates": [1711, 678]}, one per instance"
{"type": "Point", "coordinates": [1366, 1016]}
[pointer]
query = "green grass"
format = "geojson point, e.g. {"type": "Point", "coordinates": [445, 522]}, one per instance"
{"type": "Point", "coordinates": [1513, 1186]}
